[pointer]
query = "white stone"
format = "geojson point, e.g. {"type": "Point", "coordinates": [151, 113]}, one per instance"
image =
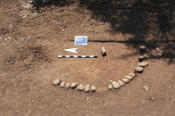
{"type": "Point", "coordinates": [87, 88]}
{"type": "Point", "coordinates": [129, 77]}
{"type": "Point", "coordinates": [56, 82]}
{"type": "Point", "coordinates": [143, 64]}
{"type": "Point", "coordinates": [67, 85]}
{"type": "Point", "coordinates": [93, 88]}
{"type": "Point", "coordinates": [125, 80]}
{"type": "Point", "coordinates": [115, 85]}
{"type": "Point", "coordinates": [80, 87]}
{"type": "Point", "coordinates": [121, 83]}
{"type": "Point", "coordinates": [142, 47]}
{"type": "Point", "coordinates": [62, 84]}
{"type": "Point", "coordinates": [146, 88]}
{"type": "Point", "coordinates": [139, 69]}
{"type": "Point", "coordinates": [132, 74]}
{"type": "Point", "coordinates": [73, 85]}
{"type": "Point", "coordinates": [110, 87]}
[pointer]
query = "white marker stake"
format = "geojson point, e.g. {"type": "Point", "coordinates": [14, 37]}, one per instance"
{"type": "Point", "coordinates": [73, 50]}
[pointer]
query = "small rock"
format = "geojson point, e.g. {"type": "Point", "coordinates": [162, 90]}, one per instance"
{"type": "Point", "coordinates": [120, 83]}
{"type": "Point", "coordinates": [62, 84]}
{"type": "Point", "coordinates": [110, 87]}
{"type": "Point", "coordinates": [115, 85]}
{"type": "Point", "coordinates": [56, 82]}
{"type": "Point", "coordinates": [86, 89]}
{"type": "Point", "coordinates": [125, 80]}
{"type": "Point", "coordinates": [129, 77]}
{"type": "Point", "coordinates": [159, 50]}
{"type": "Point", "coordinates": [73, 85]}
{"type": "Point", "coordinates": [93, 88]}
{"type": "Point", "coordinates": [80, 87]}
{"type": "Point", "coordinates": [132, 74]}
{"type": "Point", "coordinates": [145, 56]}
{"type": "Point", "coordinates": [142, 48]}
{"type": "Point", "coordinates": [143, 64]}
{"type": "Point", "coordinates": [67, 85]}
{"type": "Point", "coordinates": [141, 58]}
{"type": "Point", "coordinates": [146, 88]}
{"type": "Point", "coordinates": [139, 69]}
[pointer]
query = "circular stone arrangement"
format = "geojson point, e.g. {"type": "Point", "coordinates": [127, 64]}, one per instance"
{"type": "Point", "coordinates": [113, 84]}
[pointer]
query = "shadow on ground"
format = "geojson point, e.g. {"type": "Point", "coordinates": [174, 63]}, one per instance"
{"type": "Point", "coordinates": [151, 22]}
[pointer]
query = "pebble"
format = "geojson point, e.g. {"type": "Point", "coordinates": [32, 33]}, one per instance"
{"type": "Point", "coordinates": [129, 77]}
{"type": "Point", "coordinates": [73, 85]}
{"type": "Point", "coordinates": [146, 88]}
{"type": "Point", "coordinates": [93, 88]}
{"type": "Point", "coordinates": [125, 80]}
{"type": "Point", "coordinates": [62, 84]}
{"type": "Point", "coordinates": [115, 85]}
{"type": "Point", "coordinates": [56, 82]}
{"type": "Point", "coordinates": [80, 87]}
{"type": "Point", "coordinates": [132, 74]}
{"type": "Point", "coordinates": [141, 58]}
{"type": "Point", "coordinates": [142, 48]}
{"type": "Point", "coordinates": [67, 85]}
{"type": "Point", "coordinates": [110, 87]}
{"type": "Point", "coordinates": [120, 83]}
{"type": "Point", "coordinates": [139, 69]}
{"type": "Point", "coordinates": [86, 89]}
{"type": "Point", "coordinates": [143, 64]}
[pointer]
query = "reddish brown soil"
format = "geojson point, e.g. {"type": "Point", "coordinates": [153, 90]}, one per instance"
{"type": "Point", "coordinates": [28, 64]}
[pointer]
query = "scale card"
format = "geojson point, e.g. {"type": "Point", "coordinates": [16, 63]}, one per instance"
{"type": "Point", "coordinates": [81, 40]}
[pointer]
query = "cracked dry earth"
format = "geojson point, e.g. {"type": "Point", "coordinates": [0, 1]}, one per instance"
{"type": "Point", "coordinates": [29, 44]}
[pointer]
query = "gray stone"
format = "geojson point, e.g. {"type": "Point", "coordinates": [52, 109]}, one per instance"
{"type": "Point", "coordinates": [125, 80]}
{"type": "Point", "coordinates": [143, 64]}
{"type": "Point", "coordinates": [110, 87]}
{"type": "Point", "coordinates": [121, 83]}
{"type": "Point", "coordinates": [87, 88]}
{"type": "Point", "coordinates": [93, 88]}
{"type": "Point", "coordinates": [115, 85]}
{"type": "Point", "coordinates": [80, 87]}
{"type": "Point", "coordinates": [139, 69]}
{"type": "Point", "coordinates": [62, 84]}
{"type": "Point", "coordinates": [67, 85]}
{"type": "Point", "coordinates": [73, 85]}
{"type": "Point", "coordinates": [56, 82]}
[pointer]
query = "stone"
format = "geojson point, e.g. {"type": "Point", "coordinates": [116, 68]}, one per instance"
{"type": "Point", "coordinates": [141, 58]}
{"type": "Point", "coordinates": [73, 85]}
{"type": "Point", "coordinates": [115, 85]}
{"type": "Point", "coordinates": [121, 83]}
{"type": "Point", "coordinates": [132, 74]}
{"type": "Point", "coordinates": [125, 80]}
{"type": "Point", "coordinates": [67, 85]}
{"type": "Point", "coordinates": [142, 48]}
{"type": "Point", "coordinates": [139, 69]}
{"type": "Point", "coordinates": [62, 84]}
{"type": "Point", "coordinates": [110, 87]}
{"type": "Point", "coordinates": [146, 88]}
{"type": "Point", "coordinates": [159, 50]}
{"type": "Point", "coordinates": [93, 88]}
{"type": "Point", "coordinates": [56, 82]}
{"type": "Point", "coordinates": [80, 87]}
{"type": "Point", "coordinates": [103, 51]}
{"type": "Point", "coordinates": [129, 77]}
{"type": "Point", "coordinates": [87, 88]}
{"type": "Point", "coordinates": [143, 64]}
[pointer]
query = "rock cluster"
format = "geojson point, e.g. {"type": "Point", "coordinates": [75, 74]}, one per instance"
{"type": "Point", "coordinates": [73, 85]}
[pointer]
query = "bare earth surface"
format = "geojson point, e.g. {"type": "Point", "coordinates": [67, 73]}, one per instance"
{"type": "Point", "coordinates": [31, 41]}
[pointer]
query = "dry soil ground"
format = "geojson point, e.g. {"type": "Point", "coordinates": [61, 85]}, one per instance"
{"type": "Point", "coordinates": [31, 39]}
